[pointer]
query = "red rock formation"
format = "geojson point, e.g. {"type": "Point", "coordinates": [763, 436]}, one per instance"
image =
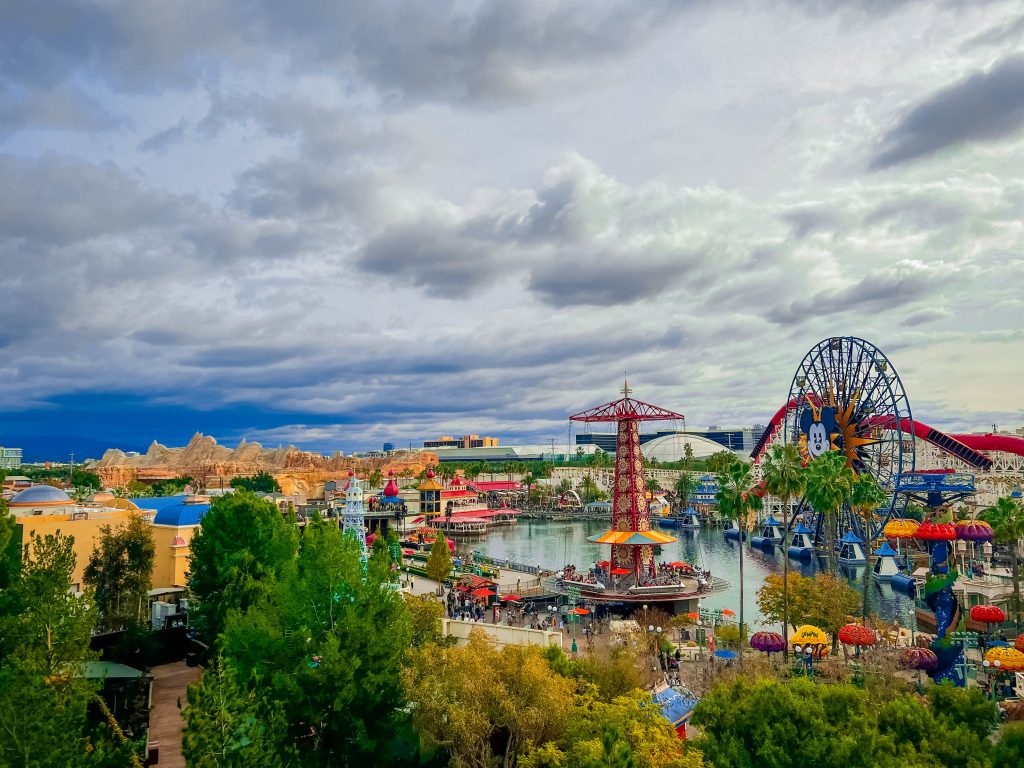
{"type": "Point", "coordinates": [211, 464]}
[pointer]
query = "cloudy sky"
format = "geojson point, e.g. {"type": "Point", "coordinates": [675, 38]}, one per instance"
{"type": "Point", "coordinates": [335, 223]}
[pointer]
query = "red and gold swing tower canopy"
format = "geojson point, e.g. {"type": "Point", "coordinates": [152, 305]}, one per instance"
{"type": "Point", "coordinates": [631, 518]}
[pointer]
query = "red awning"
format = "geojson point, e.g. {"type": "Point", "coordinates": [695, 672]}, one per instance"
{"type": "Point", "coordinates": [620, 571]}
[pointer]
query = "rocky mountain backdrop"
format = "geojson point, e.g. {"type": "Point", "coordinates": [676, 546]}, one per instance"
{"type": "Point", "coordinates": [296, 471]}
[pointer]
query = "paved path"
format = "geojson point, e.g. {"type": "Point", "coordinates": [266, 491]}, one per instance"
{"type": "Point", "coordinates": [165, 723]}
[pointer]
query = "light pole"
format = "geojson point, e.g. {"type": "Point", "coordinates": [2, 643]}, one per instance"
{"type": "Point", "coordinates": [993, 676]}
{"type": "Point", "coordinates": [574, 593]}
{"type": "Point", "coordinates": [808, 652]}
{"type": "Point", "coordinates": [655, 632]}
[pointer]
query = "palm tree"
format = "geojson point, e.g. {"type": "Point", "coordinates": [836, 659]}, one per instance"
{"type": "Point", "coordinates": [684, 486]}
{"type": "Point", "coordinates": [653, 486]}
{"type": "Point", "coordinates": [785, 478]}
{"type": "Point", "coordinates": [829, 483]}
{"type": "Point", "coordinates": [1007, 521]}
{"type": "Point", "coordinates": [865, 498]}
{"type": "Point", "coordinates": [736, 498]}
{"type": "Point", "coordinates": [509, 468]}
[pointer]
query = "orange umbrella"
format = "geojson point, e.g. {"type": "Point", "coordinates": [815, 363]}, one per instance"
{"type": "Point", "coordinates": [620, 571]}
{"type": "Point", "coordinates": [678, 564]}
{"type": "Point", "coordinates": [693, 615]}
{"type": "Point", "coordinates": [728, 612]}
{"type": "Point", "coordinates": [580, 611]}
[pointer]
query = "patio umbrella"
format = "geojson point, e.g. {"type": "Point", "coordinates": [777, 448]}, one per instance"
{"type": "Point", "coordinates": [602, 563]}
{"type": "Point", "coordinates": [482, 592]}
{"type": "Point", "coordinates": [728, 612]}
{"type": "Point", "coordinates": [408, 551]}
{"type": "Point", "coordinates": [580, 611]}
{"type": "Point", "coordinates": [620, 571]}
{"type": "Point", "coordinates": [692, 615]}
{"type": "Point", "coordinates": [512, 598]}
{"type": "Point", "coordinates": [678, 564]}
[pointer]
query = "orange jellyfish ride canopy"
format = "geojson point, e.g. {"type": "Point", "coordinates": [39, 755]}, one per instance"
{"type": "Point", "coordinates": [631, 537]}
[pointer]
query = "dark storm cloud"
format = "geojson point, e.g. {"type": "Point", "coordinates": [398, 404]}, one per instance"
{"type": "Point", "coordinates": [604, 280]}
{"type": "Point", "coordinates": [871, 294]}
{"type": "Point", "coordinates": [57, 200]}
{"type": "Point", "coordinates": [422, 51]}
{"type": "Point", "coordinates": [808, 219]}
{"type": "Point", "coordinates": [924, 316]}
{"type": "Point", "coordinates": [432, 257]}
{"type": "Point", "coordinates": [61, 107]}
{"type": "Point", "coordinates": [917, 212]}
{"type": "Point", "coordinates": [987, 106]}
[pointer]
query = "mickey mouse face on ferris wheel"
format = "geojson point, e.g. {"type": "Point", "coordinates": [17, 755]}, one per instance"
{"type": "Point", "coordinates": [818, 427]}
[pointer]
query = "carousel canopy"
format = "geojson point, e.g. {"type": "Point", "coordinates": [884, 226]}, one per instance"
{"type": "Point", "coordinates": [636, 538]}
{"type": "Point", "coordinates": [801, 528]}
{"type": "Point", "coordinates": [770, 520]}
{"type": "Point", "coordinates": [851, 538]}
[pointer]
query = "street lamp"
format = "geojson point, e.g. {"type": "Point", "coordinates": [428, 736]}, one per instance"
{"type": "Point", "coordinates": [655, 632]}
{"type": "Point", "coordinates": [808, 652]}
{"type": "Point", "coordinates": [552, 608]}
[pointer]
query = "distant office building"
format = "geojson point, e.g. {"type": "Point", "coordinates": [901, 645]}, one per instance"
{"type": "Point", "coordinates": [389, 447]}
{"type": "Point", "coordinates": [466, 441]}
{"type": "Point", "coordinates": [10, 458]}
{"type": "Point", "coordinates": [740, 440]}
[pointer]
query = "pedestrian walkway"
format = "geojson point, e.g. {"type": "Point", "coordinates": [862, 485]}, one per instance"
{"type": "Point", "coordinates": [170, 682]}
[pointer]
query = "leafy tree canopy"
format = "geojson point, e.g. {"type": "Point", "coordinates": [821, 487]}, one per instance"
{"type": "Point", "coordinates": [242, 545]}
{"type": "Point", "coordinates": [120, 572]}
{"type": "Point", "coordinates": [261, 482]}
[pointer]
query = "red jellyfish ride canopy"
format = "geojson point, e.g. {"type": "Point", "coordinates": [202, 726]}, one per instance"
{"type": "Point", "coordinates": [988, 614]}
{"type": "Point", "coordinates": [857, 634]}
{"type": "Point", "coordinates": [767, 642]}
{"type": "Point", "coordinates": [917, 658]}
{"type": "Point", "coordinates": [936, 532]}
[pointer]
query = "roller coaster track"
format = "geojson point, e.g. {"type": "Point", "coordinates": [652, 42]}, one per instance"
{"type": "Point", "coordinates": [966, 448]}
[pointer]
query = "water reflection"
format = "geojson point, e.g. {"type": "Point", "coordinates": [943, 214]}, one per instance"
{"type": "Point", "coordinates": [555, 544]}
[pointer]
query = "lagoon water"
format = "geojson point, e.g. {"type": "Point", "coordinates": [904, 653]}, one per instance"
{"type": "Point", "coordinates": [555, 544]}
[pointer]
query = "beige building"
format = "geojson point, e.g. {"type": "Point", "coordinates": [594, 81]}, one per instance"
{"type": "Point", "coordinates": [42, 510]}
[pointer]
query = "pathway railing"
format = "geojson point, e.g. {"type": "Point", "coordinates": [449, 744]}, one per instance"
{"type": "Point", "coordinates": [507, 564]}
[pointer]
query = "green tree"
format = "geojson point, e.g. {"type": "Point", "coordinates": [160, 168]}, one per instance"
{"type": "Point", "coordinates": [120, 571]}
{"type": "Point", "coordinates": [425, 616]}
{"type": "Point", "coordinates": [439, 563]}
{"type": "Point", "coordinates": [83, 478]}
{"type": "Point", "coordinates": [137, 489]}
{"type": "Point", "coordinates": [1007, 521]}
{"type": "Point", "coordinates": [242, 546]}
{"type": "Point", "coordinates": [785, 479]}
{"type": "Point", "coordinates": [1009, 750]}
{"type": "Point", "coordinates": [483, 705]}
{"type": "Point", "coordinates": [684, 486]}
{"type": "Point", "coordinates": [376, 478]}
{"type": "Point", "coordinates": [721, 461]}
{"type": "Point", "coordinates": [44, 644]}
{"type": "Point", "coordinates": [261, 482]}
{"type": "Point", "coordinates": [829, 484]}
{"type": "Point", "coordinates": [172, 487]}
{"type": "Point", "coordinates": [865, 497]}
{"type": "Point", "coordinates": [326, 643]}
{"type": "Point", "coordinates": [736, 498]}
{"type": "Point", "coordinates": [653, 486]}
{"type": "Point", "coordinates": [230, 726]}
{"type": "Point", "coordinates": [823, 599]}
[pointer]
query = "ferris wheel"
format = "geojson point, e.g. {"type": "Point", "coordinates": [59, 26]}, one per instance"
{"type": "Point", "coordinates": [846, 396]}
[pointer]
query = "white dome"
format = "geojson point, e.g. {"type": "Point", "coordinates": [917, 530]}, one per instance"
{"type": "Point", "coordinates": [673, 447]}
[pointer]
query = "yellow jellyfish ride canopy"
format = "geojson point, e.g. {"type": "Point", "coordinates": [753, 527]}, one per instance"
{"type": "Point", "coordinates": [639, 538]}
{"type": "Point", "coordinates": [1009, 659]}
{"type": "Point", "coordinates": [901, 528]}
{"type": "Point", "coordinates": [810, 635]}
